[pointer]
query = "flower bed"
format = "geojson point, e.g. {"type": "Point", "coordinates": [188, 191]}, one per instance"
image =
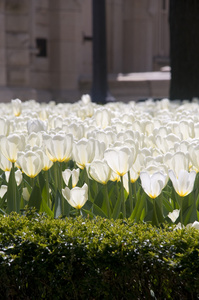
{"type": "Point", "coordinates": [136, 160]}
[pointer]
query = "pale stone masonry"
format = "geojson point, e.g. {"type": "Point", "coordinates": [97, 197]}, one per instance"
{"type": "Point", "coordinates": [46, 48]}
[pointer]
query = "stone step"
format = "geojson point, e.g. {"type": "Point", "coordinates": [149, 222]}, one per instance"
{"type": "Point", "coordinates": [133, 86]}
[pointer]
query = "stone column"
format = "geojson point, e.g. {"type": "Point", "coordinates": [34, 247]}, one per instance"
{"type": "Point", "coordinates": [115, 35]}
{"type": "Point", "coordinates": [17, 42]}
{"type": "Point", "coordinates": [64, 48]}
{"type": "Point", "coordinates": [2, 44]}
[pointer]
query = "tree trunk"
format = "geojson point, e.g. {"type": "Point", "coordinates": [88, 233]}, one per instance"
{"type": "Point", "coordinates": [184, 49]}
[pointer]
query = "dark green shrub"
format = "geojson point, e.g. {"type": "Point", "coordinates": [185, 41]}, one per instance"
{"type": "Point", "coordinates": [44, 258]}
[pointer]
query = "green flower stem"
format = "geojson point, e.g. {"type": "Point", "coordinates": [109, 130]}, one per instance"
{"type": "Point", "coordinates": [130, 193]}
{"type": "Point", "coordinates": [155, 219]}
{"type": "Point", "coordinates": [122, 198]}
{"type": "Point", "coordinates": [180, 203]}
{"type": "Point", "coordinates": [181, 212]}
{"type": "Point", "coordinates": [135, 191]}
{"type": "Point", "coordinates": [55, 174]}
{"type": "Point", "coordinates": [47, 187]}
{"type": "Point", "coordinates": [107, 200]}
{"type": "Point", "coordinates": [14, 205]}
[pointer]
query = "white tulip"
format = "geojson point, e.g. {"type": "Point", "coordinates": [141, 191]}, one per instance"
{"type": "Point", "coordinates": [18, 176]}
{"type": "Point", "coordinates": [99, 171]}
{"type": "Point", "coordinates": [77, 196]}
{"type": "Point", "coordinates": [35, 125]}
{"type": "Point", "coordinates": [16, 106]}
{"type": "Point", "coordinates": [177, 161]}
{"type": "Point", "coordinates": [183, 183]}
{"type": "Point", "coordinates": [66, 174]}
{"type": "Point", "coordinates": [120, 159]}
{"type": "Point", "coordinates": [174, 215]}
{"type": "Point", "coordinates": [5, 164]}
{"type": "Point", "coordinates": [3, 190]}
{"type": "Point", "coordinates": [102, 117]}
{"type": "Point", "coordinates": [5, 125]}
{"type": "Point", "coordinates": [30, 162]}
{"type": "Point", "coordinates": [11, 145]}
{"type": "Point", "coordinates": [153, 184]}
{"type": "Point", "coordinates": [84, 152]}
{"type": "Point", "coordinates": [58, 147]}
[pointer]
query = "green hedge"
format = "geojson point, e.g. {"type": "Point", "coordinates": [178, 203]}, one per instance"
{"type": "Point", "coordinates": [44, 258]}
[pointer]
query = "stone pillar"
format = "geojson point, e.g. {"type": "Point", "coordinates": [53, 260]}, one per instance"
{"type": "Point", "coordinates": [2, 44]}
{"type": "Point", "coordinates": [64, 48]}
{"type": "Point", "coordinates": [17, 42]}
{"type": "Point", "coordinates": [115, 35]}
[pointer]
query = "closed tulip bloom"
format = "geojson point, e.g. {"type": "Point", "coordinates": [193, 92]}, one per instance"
{"type": "Point", "coordinates": [153, 184]}
{"type": "Point", "coordinates": [4, 126]}
{"type": "Point", "coordinates": [18, 176]}
{"type": "Point", "coordinates": [102, 117]}
{"type": "Point", "coordinates": [11, 145]}
{"type": "Point", "coordinates": [77, 196]}
{"type": "Point", "coordinates": [119, 159]}
{"type": "Point", "coordinates": [5, 164]}
{"type": "Point", "coordinates": [47, 163]}
{"type": "Point", "coordinates": [86, 99]}
{"type": "Point", "coordinates": [66, 174]}
{"type": "Point", "coordinates": [30, 162]}
{"type": "Point", "coordinates": [84, 152]}
{"type": "Point", "coordinates": [35, 139]}
{"type": "Point", "coordinates": [184, 182]}
{"type": "Point", "coordinates": [35, 125]}
{"type": "Point", "coordinates": [177, 161]}
{"type": "Point", "coordinates": [58, 147]}
{"type": "Point", "coordinates": [3, 190]}
{"type": "Point", "coordinates": [16, 106]}
{"type": "Point", "coordinates": [100, 171]}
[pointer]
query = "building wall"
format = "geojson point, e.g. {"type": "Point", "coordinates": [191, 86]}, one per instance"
{"type": "Point", "coordinates": [46, 46]}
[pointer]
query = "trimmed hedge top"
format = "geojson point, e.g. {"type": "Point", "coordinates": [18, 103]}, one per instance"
{"type": "Point", "coordinates": [96, 259]}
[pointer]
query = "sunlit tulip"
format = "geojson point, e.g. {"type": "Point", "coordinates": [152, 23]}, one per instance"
{"type": "Point", "coordinates": [86, 99]}
{"type": "Point", "coordinates": [3, 190]}
{"type": "Point", "coordinates": [166, 143]}
{"type": "Point", "coordinates": [66, 174]}
{"type": "Point", "coordinates": [58, 147]}
{"type": "Point", "coordinates": [174, 215]}
{"type": "Point", "coordinates": [25, 194]}
{"type": "Point", "coordinates": [30, 162]}
{"type": "Point", "coordinates": [16, 106]}
{"type": "Point", "coordinates": [5, 164]}
{"type": "Point", "coordinates": [18, 176]}
{"type": "Point", "coordinates": [4, 126]}
{"type": "Point", "coordinates": [194, 156]}
{"type": "Point", "coordinates": [47, 163]}
{"type": "Point", "coordinates": [77, 130]}
{"type": "Point", "coordinates": [120, 159]}
{"type": "Point", "coordinates": [84, 152]}
{"type": "Point", "coordinates": [153, 184]}
{"type": "Point", "coordinates": [184, 182]}
{"type": "Point", "coordinates": [102, 117]}
{"type": "Point", "coordinates": [99, 171]}
{"type": "Point", "coordinates": [11, 145]}
{"type": "Point", "coordinates": [184, 128]}
{"type": "Point", "coordinates": [35, 139]}
{"type": "Point", "coordinates": [36, 125]}
{"type": "Point", "coordinates": [77, 196]}
{"type": "Point", "coordinates": [177, 161]}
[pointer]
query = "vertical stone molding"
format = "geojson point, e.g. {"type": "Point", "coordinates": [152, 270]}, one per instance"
{"type": "Point", "coordinates": [17, 14]}
{"type": "Point", "coordinates": [2, 44]}
{"type": "Point", "coordinates": [65, 45]}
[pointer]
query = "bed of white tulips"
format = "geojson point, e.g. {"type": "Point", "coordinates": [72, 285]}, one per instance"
{"type": "Point", "coordinates": [119, 160]}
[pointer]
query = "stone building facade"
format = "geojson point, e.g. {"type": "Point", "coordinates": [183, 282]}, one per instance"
{"type": "Point", "coordinates": [46, 46]}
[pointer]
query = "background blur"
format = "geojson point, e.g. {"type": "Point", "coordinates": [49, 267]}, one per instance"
{"type": "Point", "coordinates": [46, 49]}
